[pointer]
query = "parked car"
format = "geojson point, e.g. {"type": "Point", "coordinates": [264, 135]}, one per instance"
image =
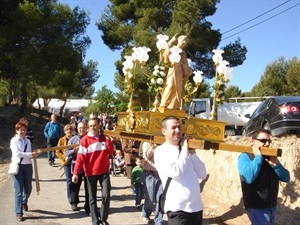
{"type": "Point", "coordinates": [280, 115]}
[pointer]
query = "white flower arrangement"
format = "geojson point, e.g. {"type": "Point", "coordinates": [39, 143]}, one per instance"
{"type": "Point", "coordinates": [222, 78]}
{"type": "Point", "coordinates": [157, 79]}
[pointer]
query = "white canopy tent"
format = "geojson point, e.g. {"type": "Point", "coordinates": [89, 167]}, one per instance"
{"type": "Point", "coordinates": [55, 104]}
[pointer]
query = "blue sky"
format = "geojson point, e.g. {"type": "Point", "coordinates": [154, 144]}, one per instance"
{"type": "Point", "coordinates": [270, 36]}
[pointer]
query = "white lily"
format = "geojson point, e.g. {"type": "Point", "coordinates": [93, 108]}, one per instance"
{"type": "Point", "coordinates": [143, 54]}
{"type": "Point", "coordinates": [198, 76]}
{"type": "Point", "coordinates": [228, 73]}
{"type": "Point", "coordinates": [161, 44]}
{"type": "Point", "coordinates": [175, 57]}
{"type": "Point", "coordinates": [217, 57]}
{"type": "Point", "coordinates": [127, 64]}
{"type": "Point", "coordinates": [222, 66]}
{"type": "Point", "coordinates": [140, 54]}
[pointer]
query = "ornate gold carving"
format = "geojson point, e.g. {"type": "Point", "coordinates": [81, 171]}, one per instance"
{"type": "Point", "coordinates": [142, 122]}
{"type": "Point", "coordinates": [204, 129]}
{"type": "Point", "coordinates": [130, 121]}
{"type": "Point", "coordinates": [121, 123]}
{"type": "Point", "coordinates": [157, 122]}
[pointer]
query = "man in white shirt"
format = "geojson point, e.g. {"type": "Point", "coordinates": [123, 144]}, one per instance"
{"type": "Point", "coordinates": [183, 200]}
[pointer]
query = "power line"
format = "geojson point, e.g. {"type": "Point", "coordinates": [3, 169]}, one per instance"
{"type": "Point", "coordinates": [256, 17]}
{"type": "Point", "coordinates": [260, 22]}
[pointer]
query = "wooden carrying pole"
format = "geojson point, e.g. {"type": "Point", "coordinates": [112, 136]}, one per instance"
{"type": "Point", "coordinates": [36, 172]}
{"type": "Point", "coordinates": [195, 144]}
{"type": "Point", "coordinates": [57, 148]}
{"type": "Point", "coordinates": [36, 176]}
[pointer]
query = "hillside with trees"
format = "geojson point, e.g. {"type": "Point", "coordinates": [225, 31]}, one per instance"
{"type": "Point", "coordinates": [43, 45]}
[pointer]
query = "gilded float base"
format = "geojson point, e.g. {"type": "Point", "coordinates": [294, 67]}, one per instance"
{"type": "Point", "coordinates": [149, 123]}
{"type": "Point", "coordinates": [145, 122]}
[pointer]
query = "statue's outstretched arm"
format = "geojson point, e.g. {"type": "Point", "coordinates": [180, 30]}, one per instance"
{"type": "Point", "coordinates": [173, 40]}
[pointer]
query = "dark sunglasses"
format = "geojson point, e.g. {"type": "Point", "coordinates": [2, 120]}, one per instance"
{"type": "Point", "coordinates": [263, 140]}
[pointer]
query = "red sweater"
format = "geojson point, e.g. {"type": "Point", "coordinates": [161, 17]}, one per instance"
{"type": "Point", "coordinates": [93, 155]}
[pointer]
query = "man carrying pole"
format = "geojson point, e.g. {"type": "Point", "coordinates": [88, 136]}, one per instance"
{"type": "Point", "coordinates": [260, 176]}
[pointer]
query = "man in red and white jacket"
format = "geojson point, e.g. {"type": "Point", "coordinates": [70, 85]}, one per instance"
{"type": "Point", "coordinates": [93, 155]}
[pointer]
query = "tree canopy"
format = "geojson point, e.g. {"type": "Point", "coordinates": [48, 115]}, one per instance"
{"type": "Point", "coordinates": [232, 91]}
{"type": "Point", "coordinates": [281, 77]}
{"type": "Point", "coordinates": [105, 101]}
{"type": "Point", "coordinates": [43, 47]}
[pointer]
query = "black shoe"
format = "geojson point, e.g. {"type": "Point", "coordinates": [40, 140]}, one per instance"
{"type": "Point", "coordinates": [74, 207]}
{"type": "Point", "coordinates": [104, 223]}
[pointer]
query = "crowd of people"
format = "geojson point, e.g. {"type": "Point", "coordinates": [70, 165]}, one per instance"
{"type": "Point", "coordinates": [150, 169]}
{"type": "Point", "coordinates": [171, 169]}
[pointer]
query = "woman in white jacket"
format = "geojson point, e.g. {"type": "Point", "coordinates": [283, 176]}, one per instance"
{"type": "Point", "coordinates": [22, 154]}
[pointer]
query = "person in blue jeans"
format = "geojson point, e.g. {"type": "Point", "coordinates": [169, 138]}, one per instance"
{"type": "Point", "coordinates": [22, 153]}
{"type": "Point", "coordinates": [53, 131]}
{"type": "Point", "coordinates": [260, 176]}
{"type": "Point", "coordinates": [137, 181]}
{"type": "Point", "coordinates": [152, 185]}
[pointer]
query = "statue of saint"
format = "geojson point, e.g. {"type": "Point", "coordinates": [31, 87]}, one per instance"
{"type": "Point", "coordinates": [177, 75]}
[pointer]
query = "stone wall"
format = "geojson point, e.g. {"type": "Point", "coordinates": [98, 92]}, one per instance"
{"type": "Point", "coordinates": [223, 178]}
